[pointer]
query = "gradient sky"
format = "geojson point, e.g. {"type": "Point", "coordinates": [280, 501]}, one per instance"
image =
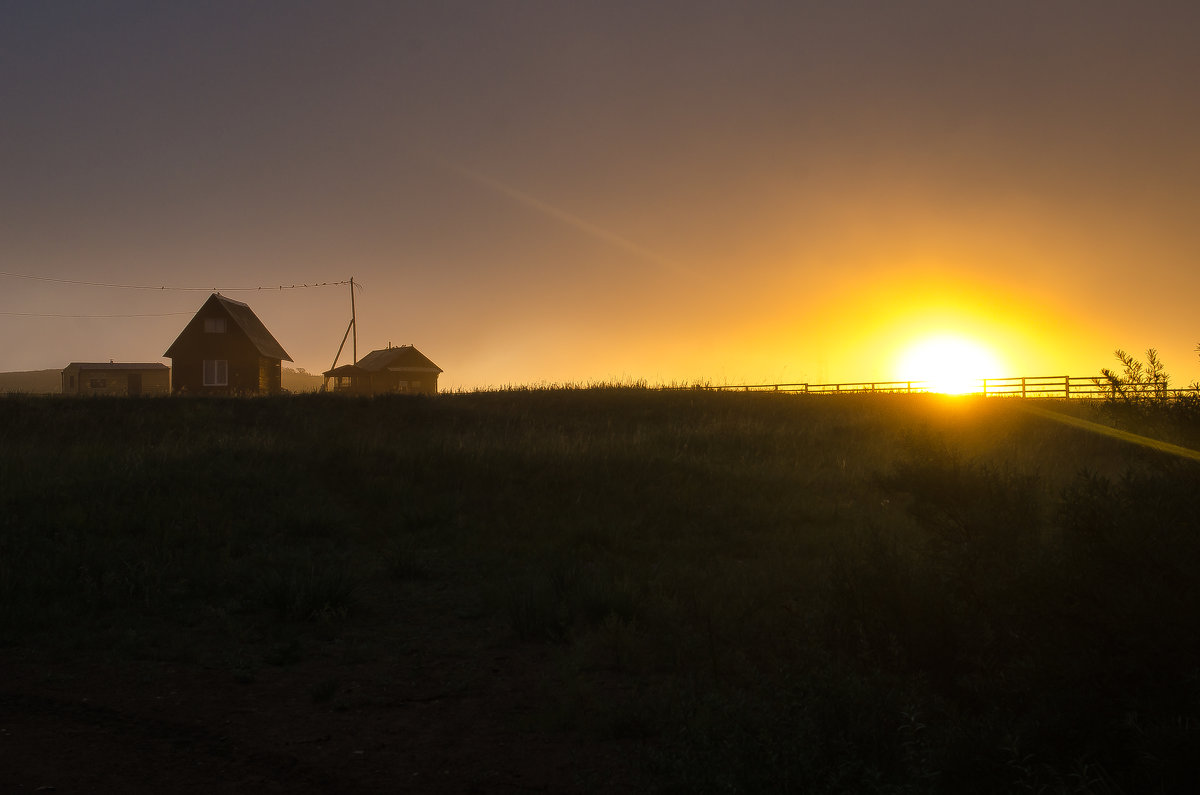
{"type": "Point", "coordinates": [589, 191]}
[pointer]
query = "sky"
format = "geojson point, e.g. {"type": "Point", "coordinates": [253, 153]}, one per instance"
{"type": "Point", "coordinates": [580, 192]}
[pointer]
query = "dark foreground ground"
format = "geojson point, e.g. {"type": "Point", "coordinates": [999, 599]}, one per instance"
{"type": "Point", "coordinates": [612, 590]}
{"type": "Point", "coordinates": [452, 709]}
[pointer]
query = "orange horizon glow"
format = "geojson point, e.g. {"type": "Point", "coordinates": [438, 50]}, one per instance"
{"type": "Point", "coordinates": [526, 207]}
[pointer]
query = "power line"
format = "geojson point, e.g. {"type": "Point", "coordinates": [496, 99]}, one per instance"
{"type": "Point", "coordinates": [45, 314]}
{"type": "Point", "coordinates": [163, 288]}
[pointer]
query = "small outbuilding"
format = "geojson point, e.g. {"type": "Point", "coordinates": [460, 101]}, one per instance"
{"type": "Point", "coordinates": [116, 378]}
{"type": "Point", "coordinates": [226, 350]}
{"type": "Point", "coordinates": [403, 370]}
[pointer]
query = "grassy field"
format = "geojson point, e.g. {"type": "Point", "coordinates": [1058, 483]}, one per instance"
{"type": "Point", "coordinates": [757, 592]}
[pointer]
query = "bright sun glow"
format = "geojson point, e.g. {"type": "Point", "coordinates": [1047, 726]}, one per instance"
{"type": "Point", "coordinates": [948, 364]}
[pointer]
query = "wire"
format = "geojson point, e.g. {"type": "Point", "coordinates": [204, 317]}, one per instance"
{"type": "Point", "coordinates": [164, 287]}
{"type": "Point", "coordinates": [41, 314]}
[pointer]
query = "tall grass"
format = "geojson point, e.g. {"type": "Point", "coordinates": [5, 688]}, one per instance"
{"type": "Point", "coordinates": [774, 593]}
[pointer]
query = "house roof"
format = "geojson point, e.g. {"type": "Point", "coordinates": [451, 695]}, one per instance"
{"type": "Point", "coordinates": [117, 366]}
{"type": "Point", "coordinates": [245, 319]}
{"type": "Point", "coordinates": [406, 358]}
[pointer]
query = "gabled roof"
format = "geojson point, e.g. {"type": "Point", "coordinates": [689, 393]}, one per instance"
{"type": "Point", "coordinates": [118, 366]}
{"type": "Point", "coordinates": [245, 319]}
{"type": "Point", "coordinates": [406, 357]}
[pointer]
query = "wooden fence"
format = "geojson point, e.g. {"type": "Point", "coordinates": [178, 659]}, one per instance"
{"type": "Point", "coordinates": [1041, 386]}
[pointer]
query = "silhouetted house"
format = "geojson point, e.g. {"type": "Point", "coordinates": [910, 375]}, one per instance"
{"type": "Point", "coordinates": [226, 350]}
{"type": "Point", "coordinates": [116, 378]}
{"type": "Point", "coordinates": [403, 370]}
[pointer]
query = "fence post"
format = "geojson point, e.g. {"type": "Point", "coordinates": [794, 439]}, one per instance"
{"type": "Point", "coordinates": [1022, 386]}
{"type": "Point", "coordinates": [1067, 386]}
{"type": "Point", "coordinates": [985, 387]}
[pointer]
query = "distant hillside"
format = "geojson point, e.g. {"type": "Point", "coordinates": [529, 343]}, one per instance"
{"type": "Point", "coordinates": [301, 380]}
{"type": "Point", "coordinates": [49, 382]}
{"type": "Point", "coordinates": [42, 382]}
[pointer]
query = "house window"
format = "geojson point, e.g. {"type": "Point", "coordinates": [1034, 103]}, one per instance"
{"type": "Point", "coordinates": [214, 325]}
{"type": "Point", "coordinates": [98, 383]}
{"type": "Point", "coordinates": [216, 372]}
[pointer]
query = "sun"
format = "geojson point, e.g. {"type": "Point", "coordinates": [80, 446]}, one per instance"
{"type": "Point", "coordinates": [949, 364]}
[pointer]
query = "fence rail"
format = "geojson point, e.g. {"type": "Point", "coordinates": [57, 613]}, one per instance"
{"type": "Point", "coordinates": [1038, 386]}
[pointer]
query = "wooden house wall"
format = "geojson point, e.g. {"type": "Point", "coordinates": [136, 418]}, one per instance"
{"type": "Point", "coordinates": [115, 382]}
{"type": "Point", "coordinates": [346, 384]}
{"type": "Point", "coordinates": [270, 376]}
{"type": "Point", "coordinates": [249, 373]}
{"type": "Point", "coordinates": [418, 383]}
{"type": "Point", "coordinates": [387, 381]}
{"type": "Point", "coordinates": [244, 365]}
{"type": "Point", "coordinates": [156, 382]}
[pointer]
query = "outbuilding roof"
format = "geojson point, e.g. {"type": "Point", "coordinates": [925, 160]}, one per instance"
{"type": "Point", "coordinates": [345, 369]}
{"type": "Point", "coordinates": [118, 366]}
{"type": "Point", "coordinates": [404, 358]}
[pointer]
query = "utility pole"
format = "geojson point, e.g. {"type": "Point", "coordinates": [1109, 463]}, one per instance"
{"type": "Point", "coordinates": [353, 327]}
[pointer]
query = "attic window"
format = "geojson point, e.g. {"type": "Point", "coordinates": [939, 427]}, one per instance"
{"type": "Point", "coordinates": [214, 325]}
